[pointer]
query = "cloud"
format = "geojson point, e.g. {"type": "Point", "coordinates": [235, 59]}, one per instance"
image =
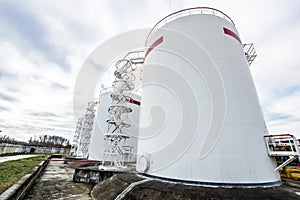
{"type": "Point", "coordinates": [288, 91]}
{"type": "Point", "coordinates": [30, 31]}
{"type": "Point", "coordinates": [2, 108]}
{"type": "Point", "coordinates": [7, 97]}
{"type": "Point", "coordinates": [42, 114]}
{"type": "Point", "coordinates": [279, 117]}
{"type": "Point", "coordinates": [7, 75]}
{"type": "Point", "coordinates": [44, 43]}
{"type": "Point", "coordinates": [283, 114]}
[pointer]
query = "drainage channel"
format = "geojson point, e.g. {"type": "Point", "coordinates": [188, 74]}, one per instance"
{"type": "Point", "coordinates": [129, 188]}
{"type": "Point", "coordinates": [56, 183]}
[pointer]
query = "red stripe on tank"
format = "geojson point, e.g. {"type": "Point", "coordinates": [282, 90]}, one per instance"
{"type": "Point", "coordinates": [232, 34]}
{"type": "Point", "coordinates": [130, 100]}
{"type": "Point", "coordinates": [157, 42]}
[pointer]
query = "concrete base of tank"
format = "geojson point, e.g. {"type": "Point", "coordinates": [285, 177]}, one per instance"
{"type": "Point", "coordinates": [94, 173]}
{"type": "Point", "coordinates": [132, 186]}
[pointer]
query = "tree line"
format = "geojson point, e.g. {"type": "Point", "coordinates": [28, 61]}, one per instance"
{"type": "Point", "coordinates": [42, 140]}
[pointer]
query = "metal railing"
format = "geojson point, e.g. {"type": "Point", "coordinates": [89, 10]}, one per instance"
{"type": "Point", "coordinates": [250, 52]}
{"type": "Point", "coordinates": [188, 12]}
{"type": "Point", "coordinates": [282, 145]}
{"type": "Point", "coordinates": [110, 89]}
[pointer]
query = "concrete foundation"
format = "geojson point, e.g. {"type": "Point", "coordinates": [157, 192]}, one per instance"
{"type": "Point", "coordinates": [155, 189]}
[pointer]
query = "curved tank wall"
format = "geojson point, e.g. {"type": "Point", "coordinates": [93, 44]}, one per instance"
{"type": "Point", "coordinates": [200, 119]}
{"type": "Point", "coordinates": [96, 147]}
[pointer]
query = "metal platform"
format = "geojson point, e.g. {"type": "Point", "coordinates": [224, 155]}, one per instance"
{"type": "Point", "coordinates": [282, 145]}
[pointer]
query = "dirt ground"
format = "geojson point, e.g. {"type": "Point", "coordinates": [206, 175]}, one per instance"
{"type": "Point", "coordinates": [56, 183]}
{"type": "Point", "coordinates": [154, 189]}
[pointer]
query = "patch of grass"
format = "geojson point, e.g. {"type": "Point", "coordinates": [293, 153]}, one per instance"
{"type": "Point", "coordinates": [12, 171]}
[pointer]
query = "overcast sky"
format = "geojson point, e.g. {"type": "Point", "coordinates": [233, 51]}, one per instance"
{"type": "Point", "coordinates": [44, 43]}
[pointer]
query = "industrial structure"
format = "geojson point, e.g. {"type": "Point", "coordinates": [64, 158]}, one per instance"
{"type": "Point", "coordinates": [84, 130]}
{"type": "Point", "coordinates": [76, 137]}
{"type": "Point", "coordinates": [116, 149]}
{"type": "Point", "coordinates": [197, 54]}
{"type": "Point", "coordinates": [97, 143]}
{"type": "Point", "coordinates": [200, 109]}
{"type": "Point", "coordinates": [180, 115]}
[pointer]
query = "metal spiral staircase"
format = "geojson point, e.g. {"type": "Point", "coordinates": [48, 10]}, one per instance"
{"type": "Point", "coordinates": [86, 131]}
{"type": "Point", "coordinates": [116, 149]}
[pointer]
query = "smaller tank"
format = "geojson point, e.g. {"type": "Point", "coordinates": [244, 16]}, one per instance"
{"type": "Point", "coordinates": [96, 148]}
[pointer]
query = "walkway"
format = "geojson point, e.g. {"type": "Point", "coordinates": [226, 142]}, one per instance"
{"type": "Point", "coordinates": [56, 183]}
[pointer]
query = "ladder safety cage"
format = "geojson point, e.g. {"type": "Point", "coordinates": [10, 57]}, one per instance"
{"type": "Point", "coordinates": [76, 138]}
{"type": "Point", "coordinates": [250, 52]}
{"type": "Point", "coordinates": [86, 129]}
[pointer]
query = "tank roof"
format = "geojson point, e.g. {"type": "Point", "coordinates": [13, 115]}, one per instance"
{"type": "Point", "coordinates": [188, 12]}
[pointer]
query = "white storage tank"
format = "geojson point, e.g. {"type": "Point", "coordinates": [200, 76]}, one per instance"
{"type": "Point", "coordinates": [200, 120]}
{"type": "Point", "coordinates": [96, 147]}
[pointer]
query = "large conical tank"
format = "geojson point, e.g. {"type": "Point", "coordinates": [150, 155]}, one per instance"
{"type": "Point", "coordinates": [200, 120]}
{"type": "Point", "coordinates": [96, 147]}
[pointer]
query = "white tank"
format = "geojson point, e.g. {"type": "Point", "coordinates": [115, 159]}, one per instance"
{"type": "Point", "coordinates": [96, 147]}
{"type": "Point", "coordinates": [200, 120]}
